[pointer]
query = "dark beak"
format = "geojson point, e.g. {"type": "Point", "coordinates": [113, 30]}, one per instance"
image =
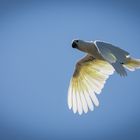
{"type": "Point", "coordinates": [74, 45]}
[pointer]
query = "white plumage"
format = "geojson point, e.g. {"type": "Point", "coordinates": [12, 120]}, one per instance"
{"type": "Point", "coordinates": [93, 70]}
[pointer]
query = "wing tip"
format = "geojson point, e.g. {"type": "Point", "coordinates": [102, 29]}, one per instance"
{"type": "Point", "coordinates": [69, 106]}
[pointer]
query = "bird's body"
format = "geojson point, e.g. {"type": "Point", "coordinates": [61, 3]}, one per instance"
{"type": "Point", "coordinates": [93, 70]}
{"type": "Point", "coordinates": [107, 52]}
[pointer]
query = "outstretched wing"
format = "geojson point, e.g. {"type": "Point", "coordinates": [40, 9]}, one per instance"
{"type": "Point", "coordinates": [89, 78]}
{"type": "Point", "coordinates": [111, 51]}
{"type": "Point", "coordinates": [114, 55]}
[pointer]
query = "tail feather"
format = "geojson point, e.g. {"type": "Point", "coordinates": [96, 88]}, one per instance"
{"type": "Point", "coordinates": [132, 64]}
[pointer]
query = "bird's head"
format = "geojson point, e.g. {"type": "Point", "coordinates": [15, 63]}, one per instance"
{"type": "Point", "coordinates": [81, 45]}
{"type": "Point", "coordinates": [75, 43]}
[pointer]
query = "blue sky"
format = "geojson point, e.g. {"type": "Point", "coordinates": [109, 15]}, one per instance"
{"type": "Point", "coordinates": [37, 62]}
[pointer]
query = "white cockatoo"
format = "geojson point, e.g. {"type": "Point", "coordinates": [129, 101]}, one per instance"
{"type": "Point", "coordinates": [92, 71]}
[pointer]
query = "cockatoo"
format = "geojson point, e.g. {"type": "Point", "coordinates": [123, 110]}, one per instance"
{"type": "Point", "coordinates": [92, 71]}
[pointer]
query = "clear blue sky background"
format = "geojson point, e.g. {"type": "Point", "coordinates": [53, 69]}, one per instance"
{"type": "Point", "coordinates": [37, 61]}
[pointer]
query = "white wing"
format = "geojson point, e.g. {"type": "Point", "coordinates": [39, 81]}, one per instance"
{"type": "Point", "coordinates": [112, 51]}
{"type": "Point", "coordinates": [88, 80]}
{"type": "Point", "coordinates": [114, 55]}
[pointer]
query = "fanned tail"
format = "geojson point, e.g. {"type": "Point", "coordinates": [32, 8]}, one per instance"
{"type": "Point", "coordinates": [132, 64]}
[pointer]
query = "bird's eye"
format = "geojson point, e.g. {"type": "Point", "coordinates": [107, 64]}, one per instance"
{"type": "Point", "coordinates": [76, 41]}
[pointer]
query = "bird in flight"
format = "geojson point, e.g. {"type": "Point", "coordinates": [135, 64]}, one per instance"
{"type": "Point", "coordinates": [92, 71]}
